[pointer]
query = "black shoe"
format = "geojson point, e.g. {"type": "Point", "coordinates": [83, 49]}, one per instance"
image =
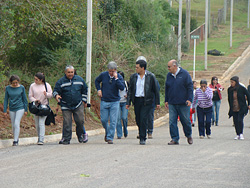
{"type": "Point", "coordinates": [61, 141]}
{"type": "Point", "coordinates": [190, 140]}
{"type": "Point", "coordinates": [119, 137]}
{"type": "Point", "coordinates": [80, 139]}
{"type": "Point", "coordinates": [192, 124]}
{"type": "Point", "coordinates": [173, 143]}
{"type": "Point", "coordinates": [110, 141]}
{"type": "Point", "coordinates": [66, 142]}
{"type": "Point", "coordinates": [142, 142]}
{"type": "Point", "coordinates": [15, 143]}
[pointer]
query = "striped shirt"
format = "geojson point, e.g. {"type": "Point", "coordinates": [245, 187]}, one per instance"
{"type": "Point", "coordinates": [204, 98]}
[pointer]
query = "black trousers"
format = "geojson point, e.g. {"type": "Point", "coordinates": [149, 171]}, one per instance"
{"type": "Point", "coordinates": [238, 122]}
{"type": "Point", "coordinates": [142, 113]}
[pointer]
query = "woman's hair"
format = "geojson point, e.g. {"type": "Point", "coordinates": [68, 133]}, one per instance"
{"type": "Point", "coordinates": [203, 82]}
{"type": "Point", "coordinates": [214, 78]}
{"type": "Point", "coordinates": [121, 73]}
{"type": "Point", "coordinates": [40, 76]}
{"type": "Point", "coordinates": [14, 77]}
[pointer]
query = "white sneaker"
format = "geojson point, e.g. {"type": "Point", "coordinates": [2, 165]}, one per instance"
{"type": "Point", "coordinates": [208, 136]}
{"type": "Point", "coordinates": [201, 137]}
{"type": "Point", "coordinates": [241, 137]}
{"type": "Point", "coordinates": [237, 137]}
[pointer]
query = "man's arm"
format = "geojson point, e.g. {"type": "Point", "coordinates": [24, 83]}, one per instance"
{"type": "Point", "coordinates": [84, 92]}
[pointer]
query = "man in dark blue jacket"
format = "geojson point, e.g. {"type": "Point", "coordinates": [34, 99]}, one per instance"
{"type": "Point", "coordinates": [178, 98]}
{"type": "Point", "coordinates": [71, 92]}
{"type": "Point", "coordinates": [110, 99]}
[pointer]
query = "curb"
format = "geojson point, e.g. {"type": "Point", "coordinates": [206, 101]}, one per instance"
{"type": "Point", "coordinates": [56, 137]}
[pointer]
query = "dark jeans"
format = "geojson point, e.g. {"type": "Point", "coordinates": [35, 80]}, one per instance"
{"type": "Point", "coordinates": [151, 120]}
{"type": "Point", "coordinates": [67, 122]}
{"type": "Point", "coordinates": [238, 122]}
{"type": "Point", "coordinates": [141, 116]}
{"type": "Point", "coordinates": [203, 113]}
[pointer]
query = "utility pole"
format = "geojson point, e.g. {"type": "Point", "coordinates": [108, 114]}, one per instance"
{"type": "Point", "coordinates": [209, 16]}
{"type": "Point", "coordinates": [179, 31]}
{"type": "Point", "coordinates": [231, 24]}
{"type": "Point", "coordinates": [206, 32]}
{"type": "Point", "coordinates": [225, 11]}
{"type": "Point", "coordinates": [89, 48]}
{"type": "Point", "coordinates": [188, 10]}
{"type": "Point", "coordinates": [170, 2]}
{"type": "Point", "coordinates": [248, 13]}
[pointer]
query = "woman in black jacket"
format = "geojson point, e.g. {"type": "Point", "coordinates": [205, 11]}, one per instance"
{"type": "Point", "coordinates": [238, 108]}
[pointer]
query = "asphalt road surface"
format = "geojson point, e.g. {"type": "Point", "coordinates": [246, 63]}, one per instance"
{"type": "Point", "coordinates": [217, 162]}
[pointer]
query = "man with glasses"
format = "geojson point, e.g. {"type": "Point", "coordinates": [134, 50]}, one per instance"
{"type": "Point", "coordinates": [178, 98]}
{"type": "Point", "coordinates": [110, 99]}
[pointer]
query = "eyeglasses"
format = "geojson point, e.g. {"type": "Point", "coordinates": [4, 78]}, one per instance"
{"type": "Point", "coordinates": [110, 80]}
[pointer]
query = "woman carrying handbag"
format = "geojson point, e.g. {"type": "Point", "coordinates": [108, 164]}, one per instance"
{"type": "Point", "coordinates": [38, 94]}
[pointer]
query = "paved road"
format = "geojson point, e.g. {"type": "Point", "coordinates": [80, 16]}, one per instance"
{"type": "Point", "coordinates": [219, 162]}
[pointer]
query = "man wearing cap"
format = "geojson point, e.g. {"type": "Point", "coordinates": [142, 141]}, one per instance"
{"type": "Point", "coordinates": [178, 98]}
{"type": "Point", "coordinates": [71, 92]}
{"type": "Point", "coordinates": [110, 99]}
{"type": "Point", "coordinates": [142, 89]}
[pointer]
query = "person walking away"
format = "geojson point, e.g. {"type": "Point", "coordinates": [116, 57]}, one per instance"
{"type": "Point", "coordinates": [194, 112]}
{"type": "Point", "coordinates": [38, 94]}
{"type": "Point", "coordinates": [15, 98]}
{"type": "Point", "coordinates": [151, 116]}
{"type": "Point", "coordinates": [217, 88]}
{"type": "Point", "coordinates": [110, 99]}
{"type": "Point", "coordinates": [238, 108]}
{"type": "Point", "coordinates": [204, 96]}
{"type": "Point", "coordinates": [123, 112]}
{"type": "Point", "coordinates": [71, 93]}
{"type": "Point", "coordinates": [178, 98]}
{"type": "Point", "coordinates": [142, 89]}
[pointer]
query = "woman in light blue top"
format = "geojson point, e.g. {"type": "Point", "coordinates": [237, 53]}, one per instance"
{"type": "Point", "coordinates": [16, 99]}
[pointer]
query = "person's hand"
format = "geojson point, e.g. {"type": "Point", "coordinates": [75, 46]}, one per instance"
{"type": "Point", "coordinates": [125, 96]}
{"type": "Point", "coordinates": [5, 114]}
{"type": "Point", "coordinates": [127, 107]}
{"type": "Point", "coordinates": [58, 97]}
{"type": "Point", "coordinates": [99, 93]}
{"type": "Point", "coordinates": [166, 105]}
{"type": "Point", "coordinates": [249, 107]}
{"type": "Point", "coordinates": [25, 113]}
{"type": "Point", "coordinates": [45, 93]}
{"type": "Point", "coordinates": [188, 103]}
{"type": "Point", "coordinates": [115, 75]}
{"type": "Point", "coordinates": [158, 107]}
{"type": "Point", "coordinates": [85, 105]}
{"type": "Point", "coordinates": [38, 101]}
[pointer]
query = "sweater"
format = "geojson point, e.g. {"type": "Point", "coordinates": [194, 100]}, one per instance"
{"type": "Point", "coordinates": [16, 98]}
{"type": "Point", "coordinates": [180, 89]}
{"type": "Point", "coordinates": [36, 93]}
{"type": "Point", "coordinates": [110, 86]}
{"type": "Point", "coordinates": [204, 98]}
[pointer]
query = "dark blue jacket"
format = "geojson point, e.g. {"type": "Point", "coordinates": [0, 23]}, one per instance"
{"type": "Point", "coordinates": [73, 92]}
{"type": "Point", "coordinates": [180, 89]}
{"type": "Point", "coordinates": [110, 87]}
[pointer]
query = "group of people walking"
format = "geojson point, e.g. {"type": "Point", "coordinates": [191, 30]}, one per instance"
{"type": "Point", "coordinates": [181, 98]}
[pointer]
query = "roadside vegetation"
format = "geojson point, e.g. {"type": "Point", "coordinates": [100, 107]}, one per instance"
{"type": "Point", "coordinates": [45, 36]}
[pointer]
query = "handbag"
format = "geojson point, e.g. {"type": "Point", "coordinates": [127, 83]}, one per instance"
{"type": "Point", "coordinates": [51, 116]}
{"type": "Point", "coordinates": [39, 109]}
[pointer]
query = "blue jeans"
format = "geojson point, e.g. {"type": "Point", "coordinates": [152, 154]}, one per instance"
{"type": "Point", "coordinates": [109, 113]}
{"type": "Point", "coordinates": [216, 109]}
{"type": "Point", "coordinates": [202, 113]}
{"type": "Point", "coordinates": [122, 115]}
{"type": "Point", "coordinates": [184, 112]}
